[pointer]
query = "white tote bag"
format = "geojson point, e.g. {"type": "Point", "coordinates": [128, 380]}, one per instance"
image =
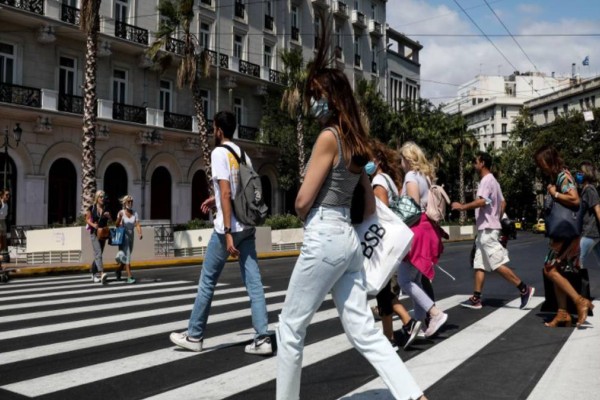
{"type": "Point", "coordinates": [385, 241]}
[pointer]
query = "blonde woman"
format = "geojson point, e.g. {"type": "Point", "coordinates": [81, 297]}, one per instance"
{"type": "Point", "coordinates": [128, 219]}
{"type": "Point", "coordinates": [97, 217]}
{"type": "Point", "coordinates": [427, 246]}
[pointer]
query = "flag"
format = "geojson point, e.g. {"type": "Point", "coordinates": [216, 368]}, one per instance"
{"type": "Point", "coordinates": [586, 61]}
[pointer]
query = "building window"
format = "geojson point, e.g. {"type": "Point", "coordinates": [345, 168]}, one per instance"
{"type": "Point", "coordinates": [503, 111]}
{"type": "Point", "coordinates": [593, 101]}
{"type": "Point", "coordinates": [357, 5]}
{"type": "Point", "coordinates": [339, 41]}
{"type": "Point", "coordinates": [268, 56]}
{"type": "Point", "coordinates": [238, 46]}
{"type": "Point", "coordinates": [504, 128]}
{"type": "Point", "coordinates": [7, 63]}
{"type": "Point", "coordinates": [357, 45]}
{"type": "Point", "coordinates": [545, 116]}
{"type": "Point", "coordinates": [555, 112]}
{"type": "Point", "coordinates": [119, 86]}
{"type": "Point", "coordinates": [122, 10]}
{"type": "Point", "coordinates": [66, 75]}
{"type": "Point", "coordinates": [295, 17]}
{"type": "Point", "coordinates": [238, 109]}
{"type": "Point", "coordinates": [204, 38]}
{"type": "Point", "coordinates": [205, 100]}
{"type": "Point", "coordinates": [504, 144]}
{"type": "Point", "coordinates": [165, 96]}
{"type": "Point", "coordinates": [373, 11]}
{"type": "Point", "coordinates": [565, 108]}
{"type": "Point", "coordinates": [396, 91]}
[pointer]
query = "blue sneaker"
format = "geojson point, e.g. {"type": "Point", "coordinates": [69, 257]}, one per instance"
{"type": "Point", "coordinates": [525, 297]}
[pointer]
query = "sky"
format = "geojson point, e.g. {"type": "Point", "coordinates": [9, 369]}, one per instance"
{"type": "Point", "coordinates": [449, 60]}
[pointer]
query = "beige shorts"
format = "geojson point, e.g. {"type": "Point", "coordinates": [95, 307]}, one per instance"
{"type": "Point", "coordinates": [489, 253]}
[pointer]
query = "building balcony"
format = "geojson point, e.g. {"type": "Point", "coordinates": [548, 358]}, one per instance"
{"type": "Point", "coordinates": [175, 46]}
{"type": "Point", "coordinates": [340, 9]}
{"type": "Point", "coordinates": [276, 77]}
{"type": "Point", "coordinates": [34, 6]}
{"type": "Point", "coordinates": [20, 95]}
{"type": "Point", "coordinates": [240, 10]}
{"type": "Point", "coordinates": [249, 68]}
{"type": "Point", "coordinates": [131, 33]}
{"type": "Point", "coordinates": [129, 113]}
{"type": "Point", "coordinates": [358, 19]}
{"type": "Point", "coordinates": [248, 132]}
{"type": "Point", "coordinates": [375, 28]}
{"type": "Point", "coordinates": [177, 121]}
{"type": "Point", "coordinates": [295, 33]}
{"type": "Point", "coordinates": [357, 62]}
{"type": "Point", "coordinates": [69, 14]}
{"type": "Point", "coordinates": [269, 22]}
{"type": "Point", "coordinates": [223, 58]}
{"type": "Point", "coordinates": [70, 103]}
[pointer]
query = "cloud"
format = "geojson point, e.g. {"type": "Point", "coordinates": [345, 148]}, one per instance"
{"type": "Point", "coordinates": [529, 8]}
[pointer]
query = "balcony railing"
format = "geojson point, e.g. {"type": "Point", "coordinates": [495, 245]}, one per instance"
{"type": "Point", "coordinates": [70, 14]}
{"type": "Point", "coordinates": [247, 132]}
{"type": "Point", "coordinates": [178, 121]}
{"type": "Point", "coordinates": [357, 60]}
{"type": "Point", "coordinates": [70, 103]}
{"type": "Point", "coordinates": [131, 33]}
{"type": "Point", "coordinates": [21, 95]}
{"type": "Point", "coordinates": [175, 46]}
{"type": "Point", "coordinates": [276, 77]}
{"type": "Point", "coordinates": [340, 8]}
{"type": "Point", "coordinates": [295, 33]}
{"type": "Point", "coordinates": [223, 58]}
{"type": "Point", "coordinates": [269, 22]}
{"type": "Point", "coordinates": [375, 28]}
{"type": "Point", "coordinates": [34, 6]}
{"type": "Point", "coordinates": [129, 113]}
{"type": "Point", "coordinates": [249, 69]}
{"type": "Point", "coordinates": [358, 19]}
{"type": "Point", "coordinates": [240, 10]}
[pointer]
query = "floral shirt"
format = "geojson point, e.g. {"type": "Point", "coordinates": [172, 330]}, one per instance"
{"type": "Point", "coordinates": [565, 181]}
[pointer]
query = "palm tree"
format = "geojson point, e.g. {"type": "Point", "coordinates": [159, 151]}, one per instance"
{"type": "Point", "coordinates": [90, 24]}
{"type": "Point", "coordinates": [295, 75]}
{"type": "Point", "coordinates": [195, 63]}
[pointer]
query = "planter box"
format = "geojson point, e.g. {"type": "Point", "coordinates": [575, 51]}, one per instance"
{"type": "Point", "coordinates": [194, 242]}
{"type": "Point", "coordinates": [457, 232]}
{"type": "Point", "coordinates": [287, 239]}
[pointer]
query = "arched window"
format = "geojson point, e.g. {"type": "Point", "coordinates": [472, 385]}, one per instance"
{"type": "Point", "coordinates": [62, 192]}
{"type": "Point", "coordinates": [115, 187]}
{"type": "Point", "coordinates": [160, 197]}
{"type": "Point", "coordinates": [199, 194]}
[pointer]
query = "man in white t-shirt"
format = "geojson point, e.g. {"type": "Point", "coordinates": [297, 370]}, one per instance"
{"type": "Point", "coordinates": [230, 238]}
{"type": "Point", "coordinates": [490, 255]}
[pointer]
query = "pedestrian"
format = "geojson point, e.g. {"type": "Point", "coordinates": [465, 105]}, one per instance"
{"type": "Point", "coordinates": [590, 237]}
{"type": "Point", "coordinates": [229, 238]}
{"type": "Point", "coordinates": [97, 218]}
{"type": "Point", "coordinates": [564, 254]}
{"type": "Point", "coordinates": [385, 171]}
{"type": "Point", "coordinates": [426, 246]}
{"type": "Point", "coordinates": [4, 199]}
{"type": "Point", "coordinates": [331, 257]}
{"type": "Point", "coordinates": [490, 254]}
{"type": "Point", "coordinates": [128, 219]}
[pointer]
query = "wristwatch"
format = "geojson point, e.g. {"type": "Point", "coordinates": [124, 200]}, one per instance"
{"type": "Point", "coordinates": [227, 230]}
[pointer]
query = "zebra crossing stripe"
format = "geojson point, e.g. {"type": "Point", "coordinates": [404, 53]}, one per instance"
{"type": "Point", "coordinates": [219, 387]}
{"type": "Point", "coordinates": [577, 361]}
{"type": "Point", "coordinates": [432, 365]}
{"type": "Point", "coordinates": [31, 282]}
{"type": "Point", "coordinates": [93, 373]}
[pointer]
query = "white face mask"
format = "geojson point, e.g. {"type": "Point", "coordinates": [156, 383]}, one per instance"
{"type": "Point", "coordinates": [319, 108]}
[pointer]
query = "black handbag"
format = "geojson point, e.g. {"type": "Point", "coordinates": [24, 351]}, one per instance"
{"type": "Point", "coordinates": [579, 279]}
{"type": "Point", "coordinates": [562, 222]}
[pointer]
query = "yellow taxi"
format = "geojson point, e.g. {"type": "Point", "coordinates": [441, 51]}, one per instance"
{"type": "Point", "coordinates": [518, 225]}
{"type": "Point", "coordinates": [540, 226]}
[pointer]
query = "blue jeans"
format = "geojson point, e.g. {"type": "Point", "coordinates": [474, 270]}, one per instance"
{"type": "Point", "coordinates": [214, 261]}
{"type": "Point", "coordinates": [587, 245]}
{"type": "Point", "coordinates": [331, 260]}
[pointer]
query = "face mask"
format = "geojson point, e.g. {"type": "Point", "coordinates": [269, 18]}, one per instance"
{"type": "Point", "coordinates": [579, 177]}
{"type": "Point", "coordinates": [370, 168]}
{"type": "Point", "coordinates": [319, 108]}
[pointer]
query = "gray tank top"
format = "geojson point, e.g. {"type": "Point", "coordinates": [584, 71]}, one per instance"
{"type": "Point", "coordinates": [338, 187]}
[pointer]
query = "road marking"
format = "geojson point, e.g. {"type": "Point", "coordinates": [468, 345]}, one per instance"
{"type": "Point", "coordinates": [44, 281]}
{"type": "Point", "coordinates": [573, 373]}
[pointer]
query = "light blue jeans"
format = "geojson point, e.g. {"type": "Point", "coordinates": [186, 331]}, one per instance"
{"type": "Point", "coordinates": [214, 261]}
{"type": "Point", "coordinates": [331, 260]}
{"type": "Point", "coordinates": [409, 280]}
{"type": "Point", "coordinates": [586, 246]}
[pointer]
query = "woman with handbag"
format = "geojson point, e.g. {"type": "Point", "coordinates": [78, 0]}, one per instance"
{"type": "Point", "coordinates": [127, 219]}
{"type": "Point", "coordinates": [97, 218]}
{"type": "Point", "coordinates": [590, 204]}
{"type": "Point", "coordinates": [385, 171]}
{"type": "Point", "coordinates": [427, 245]}
{"type": "Point", "coordinates": [331, 258]}
{"type": "Point", "coordinates": [563, 254]}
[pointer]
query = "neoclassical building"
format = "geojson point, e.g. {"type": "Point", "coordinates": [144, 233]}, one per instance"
{"type": "Point", "coordinates": [147, 134]}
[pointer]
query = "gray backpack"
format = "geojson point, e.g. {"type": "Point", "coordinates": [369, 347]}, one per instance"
{"type": "Point", "coordinates": [248, 205]}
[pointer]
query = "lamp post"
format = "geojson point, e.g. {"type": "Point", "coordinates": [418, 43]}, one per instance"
{"type": "Point", "coordinates": [17, 132]}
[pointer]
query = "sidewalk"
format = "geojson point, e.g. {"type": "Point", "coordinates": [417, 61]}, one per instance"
{"type": "Point", "coordinates": [21, 269]}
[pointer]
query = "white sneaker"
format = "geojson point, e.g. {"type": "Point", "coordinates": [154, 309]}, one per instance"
{"type": "Point", "coordinates": [103, 278]}
{"type": "Point", "coordinates": [437, 321]}
{"type": "Point", "coordinates": [260, 346]}
{"type": "Point", "coordinates": [95, 278]}
{"type": "Point", "coordinates": [182, 340]}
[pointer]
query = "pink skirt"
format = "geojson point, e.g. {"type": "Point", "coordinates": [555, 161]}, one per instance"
{"type": "Point", "coordinates": [426, 247]}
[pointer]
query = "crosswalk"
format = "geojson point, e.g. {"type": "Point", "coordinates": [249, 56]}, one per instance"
{"type": "Point", "coordinates": [66, 338]}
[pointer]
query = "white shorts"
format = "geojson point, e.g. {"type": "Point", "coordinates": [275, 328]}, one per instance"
{"type": "Point", "coordinates": [489, 253]}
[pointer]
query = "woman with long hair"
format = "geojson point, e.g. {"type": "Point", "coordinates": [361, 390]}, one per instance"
{"type": "Point", "coordinates": [426, 246]}
{"type": "Point", "coordinates": [564, 253]}
{"type": "Point", "coordinates": [98, 217]}
{"type": "Point", "coordinates": [331, 257]}
{"type": "Point", "coordinates": [129, 220]}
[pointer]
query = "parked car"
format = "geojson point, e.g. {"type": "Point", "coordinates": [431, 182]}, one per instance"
{"type": "Point", "coordinates": [540, 226]}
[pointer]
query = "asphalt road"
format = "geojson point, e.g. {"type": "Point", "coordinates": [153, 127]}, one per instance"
{"type": "Point", "coordinates": [66, 338]}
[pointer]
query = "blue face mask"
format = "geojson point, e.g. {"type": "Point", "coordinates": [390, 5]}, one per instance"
{"type": "Point", "coordinates": [370, 168]}
{"type": "Point", "coordinates": [319, 108]}
{"type": "Point", "coordinates": [579, 177]}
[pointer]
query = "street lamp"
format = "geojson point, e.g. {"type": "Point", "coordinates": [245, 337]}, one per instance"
{"type": "Point", "coordinates": [17, 132]}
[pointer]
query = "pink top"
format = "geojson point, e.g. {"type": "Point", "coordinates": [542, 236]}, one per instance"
{"type": "Point", "coordinates": [488, 216]}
